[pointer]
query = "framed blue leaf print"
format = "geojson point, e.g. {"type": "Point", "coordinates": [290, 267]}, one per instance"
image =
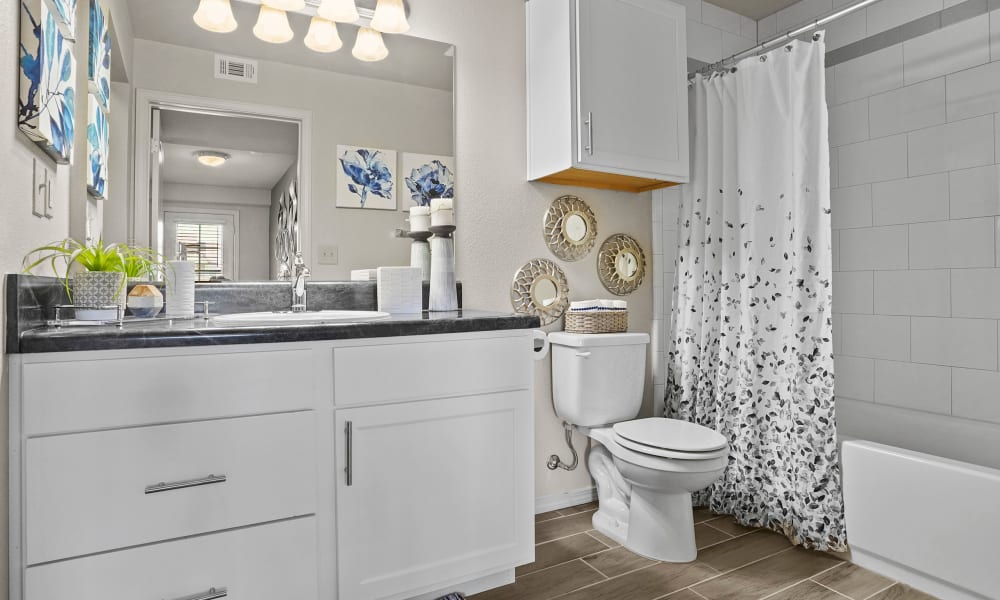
{"type": "Point", "coordinates": [65, 13]}
{"type": "Point", "coordinates": [366, 178]}
{"type": "Point", "coordinates": [99, 54]}
{"type": "Point", "coordinates": [47, 97]}
{"type": "Point", "coordinates": [97, 148]}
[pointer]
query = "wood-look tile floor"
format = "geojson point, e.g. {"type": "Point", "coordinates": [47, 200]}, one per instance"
{"type": "Point", "coordinates": [574, 562]}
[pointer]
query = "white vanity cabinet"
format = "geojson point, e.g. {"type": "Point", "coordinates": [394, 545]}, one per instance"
{"type": "Point", "coordinates": [607, 93]}
{"type": "Point", "coordinates": [380, 469]}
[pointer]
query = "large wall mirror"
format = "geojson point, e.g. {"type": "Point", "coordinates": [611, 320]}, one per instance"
{"type": "Point", "coordinates": [241, 174]}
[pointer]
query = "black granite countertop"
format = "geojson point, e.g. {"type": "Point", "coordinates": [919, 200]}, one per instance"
{"type": "Point", "coordinates": [202, 332]}
{"type": "Point", "coordinates": [30, 300]}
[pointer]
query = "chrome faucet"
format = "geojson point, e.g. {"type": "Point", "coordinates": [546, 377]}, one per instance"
{"type": "Point", "coordinates": [299, 274]}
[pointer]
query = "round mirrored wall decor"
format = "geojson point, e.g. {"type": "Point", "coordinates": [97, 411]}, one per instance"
{"type": "Point", "coordinates": [621, 264]}
{"type": "Point", "coordinates": [570, 228]}
{"type": "Point", "coordinates": [540, 288]}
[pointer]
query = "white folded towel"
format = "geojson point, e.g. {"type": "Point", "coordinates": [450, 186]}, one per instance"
{"type": "Point", "coordinates": [594, 305]}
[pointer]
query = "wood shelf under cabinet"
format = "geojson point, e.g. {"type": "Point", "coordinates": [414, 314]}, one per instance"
{"type": "Point", "coordinates": [606, 181]}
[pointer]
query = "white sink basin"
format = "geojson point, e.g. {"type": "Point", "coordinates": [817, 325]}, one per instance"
{"type": "Point", "coordinates": [303, 318]}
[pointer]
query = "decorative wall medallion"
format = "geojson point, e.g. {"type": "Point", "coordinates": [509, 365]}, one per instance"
{"type": "Point", "coordinates": [540, 288]}
{"type": "Point", "coordinates": [97, 148]}
{"type": "Point", "coordinates": [621, 264]}
{"type": "Point", "coordinates": [570, 228]}
{"type": "Point", "coordinates": [99, 54]}
{"type": "Point", "coordinates": [47, 99]}
{"type": "Point", "coordinates": [366, 178]}
{"type": "Point", "coordinates": [427, 177]}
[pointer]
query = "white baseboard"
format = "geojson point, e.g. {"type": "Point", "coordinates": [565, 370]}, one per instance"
{"type": "Point", "coordinates": [565, 499]}
{"type": "Point", "coordinates": [921, 581]}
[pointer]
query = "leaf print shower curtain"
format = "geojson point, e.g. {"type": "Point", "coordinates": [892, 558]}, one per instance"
{"type": "Point", "coordinates": [751, 353]}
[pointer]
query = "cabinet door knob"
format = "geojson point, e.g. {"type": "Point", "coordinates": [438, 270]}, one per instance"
{"type": "Point", "coordinates": [156, 488]}
{"type": "Point", "coordinates": [211, 594]}
{"type": "Point", "coordinates": [590, 133]}
{"type": "Point", "coordinates": [349, 439]}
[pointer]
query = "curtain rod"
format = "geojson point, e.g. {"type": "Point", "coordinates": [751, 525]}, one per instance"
{"type": "Point", "coordinates": [784, 37]}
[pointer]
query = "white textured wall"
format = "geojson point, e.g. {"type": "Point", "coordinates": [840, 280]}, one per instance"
{"type": "Point", "coordinates": [345, 110]}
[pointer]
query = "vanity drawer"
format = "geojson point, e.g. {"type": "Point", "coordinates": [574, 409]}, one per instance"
{"type": "Point", "coordinates": [426, 370]}
{"type": "Point", "coordinates": [84, 393]}
{"type": "Point", "coordinates": [257, 563]}
{"type": "Point", "coordinates": [93, 492]}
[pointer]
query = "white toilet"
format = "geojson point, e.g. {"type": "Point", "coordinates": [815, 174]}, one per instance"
{"type": "Point", "coordinates": [645, 469]}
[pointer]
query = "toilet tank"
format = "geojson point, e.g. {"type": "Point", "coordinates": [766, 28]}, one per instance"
{"type": "Point", "coordinates": [598, 379]}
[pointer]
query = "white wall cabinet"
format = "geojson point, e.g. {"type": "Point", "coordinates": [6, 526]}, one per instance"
{"type": "Point", "coordinates": [607, 93]}
{"type": "Point", "coordinates": [441, 497]}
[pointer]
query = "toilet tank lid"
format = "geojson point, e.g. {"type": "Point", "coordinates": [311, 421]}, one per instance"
{"type": "Point", "coordinates": [592, 340]}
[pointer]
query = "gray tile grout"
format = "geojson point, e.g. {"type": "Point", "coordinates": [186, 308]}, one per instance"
{"type": "Point", "coordinates": [881, 590]}
{"type": "Point", "coordinates": [595, 569]}
{"type": "Point", "coordinates": [828, 587]}
{"type": "Point", "coordinates": [776, 592]}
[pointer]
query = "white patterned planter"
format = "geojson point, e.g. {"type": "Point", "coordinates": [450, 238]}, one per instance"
{"type": "Point", "coordinates": [96, 289]}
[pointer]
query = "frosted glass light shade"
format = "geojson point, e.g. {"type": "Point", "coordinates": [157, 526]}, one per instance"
{"type": "Point", "coordinates": [341, 11]}
{"type": "Point", "coordinates": [215, 16]}
{"type": "Point", "coordinates": [285, 5]}
{"type": "Point", "coordinates": [369, 46]}
{"type": "Point", "coordinates": [323, 36]}
{"type": "Point", "coordinates": [272, 26]}
{"type": "Point", "coordinates": [390, 17]}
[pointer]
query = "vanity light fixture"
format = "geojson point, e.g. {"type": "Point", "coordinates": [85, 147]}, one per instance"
{"type": "Point", "coordinates": [323, 36]}
{"type": "Point", "coordinates": [390, 17]}
{"type": "Point", "coordinates": [341, 11]}
{"type": "Point", "coordinates": [369, 46]}
{"type": "Point", "coordinates": [272, 26]}
{"type": "Point", "coordinates": [215, 16]}
{"type": "Point", "coordinates": [285, 5]}
{"type": "Point", "coordinates": [211, 158]}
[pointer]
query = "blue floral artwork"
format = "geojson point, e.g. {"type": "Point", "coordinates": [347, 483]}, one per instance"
{"type": "Point", "coordinates": [428, 177]}
{"type": "Point", "coordinates": [65, 13]}
{"type": "Point", "coordinates": [366, 178]}
{"type": "Point", "coordinates": [47, 99]}
{"type": "Point", "coordinates": [99, 54]}
{"type": "Point", "coordinates": [97, 149]}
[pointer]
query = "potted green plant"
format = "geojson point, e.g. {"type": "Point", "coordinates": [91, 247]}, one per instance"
{"type": "Point", "coordinates": [95, 275]}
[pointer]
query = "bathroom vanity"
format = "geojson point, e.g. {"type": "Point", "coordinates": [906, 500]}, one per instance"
{"type": "Point", "coordinates": [383, 460]}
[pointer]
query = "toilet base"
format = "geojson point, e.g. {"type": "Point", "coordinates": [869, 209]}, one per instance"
{"type": "Point", "coordinates": [661, 526]}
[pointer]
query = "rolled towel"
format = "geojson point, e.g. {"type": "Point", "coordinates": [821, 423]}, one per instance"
{"type": "Point", "coordinates": [593, 305]}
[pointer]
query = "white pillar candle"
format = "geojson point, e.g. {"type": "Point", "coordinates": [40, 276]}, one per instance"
{"type": "Point", "coordinates": [420, 218]}
{"type": "Point", "coordinates": [442, 212]}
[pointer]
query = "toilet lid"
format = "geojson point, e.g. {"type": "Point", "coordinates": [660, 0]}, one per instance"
{"type": "Point", "coordinates": [671, 434]}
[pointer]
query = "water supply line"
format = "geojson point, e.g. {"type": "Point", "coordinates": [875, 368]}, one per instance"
{"type": "Point", "coordinates": [557, 463]}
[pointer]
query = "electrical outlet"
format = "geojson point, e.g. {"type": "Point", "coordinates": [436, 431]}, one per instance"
{"type": "Point", "coordinates": [39, 189]}
{"type": "Point", "coordinates": [329, 255]}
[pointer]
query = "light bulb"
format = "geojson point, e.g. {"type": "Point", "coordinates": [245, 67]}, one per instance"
{"type": "Point", "coordinates": [390, 17]}
{"type": "Point", "coordinates": [341, 11]}
{"type": "Point", "coordinates": [285, 5]}
{"type": "Point", "coordinates": [215, 16]}
{"type": "Point", "coordinates": [369, 46]}
{"type": "Point", "coordinates": [272, 26]}
{"type": "Point", "coordinates": [211, 158]}
{"type": "Point", "coordinates": [323, 36]}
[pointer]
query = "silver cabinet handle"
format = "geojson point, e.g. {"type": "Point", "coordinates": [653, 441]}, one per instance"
{"type": "Point", "coordinates": [590, 133]}
{"type": "Point", "coordinates": [349, 437]}
{"type": "Point", "coordinates": [583, 354]}
{"type": "Point", "coordinates": [211, 594]}
{"type": "Point", "coordinates": [179, 485]}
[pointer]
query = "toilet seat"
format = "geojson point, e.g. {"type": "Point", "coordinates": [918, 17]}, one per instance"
{"type": "Point", "coordinates": [654, 435]}
{"type": "Point", "coordinates": [690, 463]}
{"type": "Point", "coordinates": [665, 453]}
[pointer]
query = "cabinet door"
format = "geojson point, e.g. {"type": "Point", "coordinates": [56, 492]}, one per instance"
{"type": "Point", "coordinates": [632, 88]}
{"type": "Point", "coordinates": [440, 491]}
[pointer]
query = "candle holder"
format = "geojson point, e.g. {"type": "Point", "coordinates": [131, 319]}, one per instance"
{"type": "Point", "coordinates": [420, 251]}
{"type": "Point", "coordinates": [444, 292]}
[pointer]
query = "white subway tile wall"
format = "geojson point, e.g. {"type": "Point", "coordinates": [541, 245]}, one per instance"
{"type": "Point", "coordinates": [915, 138]}
{"type": "Point", "coordinates": [715, 33]}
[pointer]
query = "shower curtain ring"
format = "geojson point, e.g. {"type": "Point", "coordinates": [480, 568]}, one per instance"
{"type": "Point", "coordinates": [817, 36]}
{"type": "Point", "coordinates": [763, 58]}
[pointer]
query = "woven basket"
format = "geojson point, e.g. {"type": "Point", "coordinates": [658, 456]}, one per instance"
{"type": "Point", "coordinates": [597, 321]}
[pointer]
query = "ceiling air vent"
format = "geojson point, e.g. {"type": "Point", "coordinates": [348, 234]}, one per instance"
{"type": "Point", "coordinates": [235, 68]}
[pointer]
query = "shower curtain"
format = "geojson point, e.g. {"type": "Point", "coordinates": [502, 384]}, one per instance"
{"type": "Point", "coordinates": [751, 353]}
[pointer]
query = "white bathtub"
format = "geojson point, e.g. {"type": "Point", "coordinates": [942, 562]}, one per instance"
{"type": "Point", "coordinates": [931, 522]}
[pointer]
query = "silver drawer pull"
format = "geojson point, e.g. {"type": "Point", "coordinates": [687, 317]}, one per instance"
{"type": "Point", "coordinates": [179, 485]}
{"type": "Point", "coordinates": [211, 594]}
